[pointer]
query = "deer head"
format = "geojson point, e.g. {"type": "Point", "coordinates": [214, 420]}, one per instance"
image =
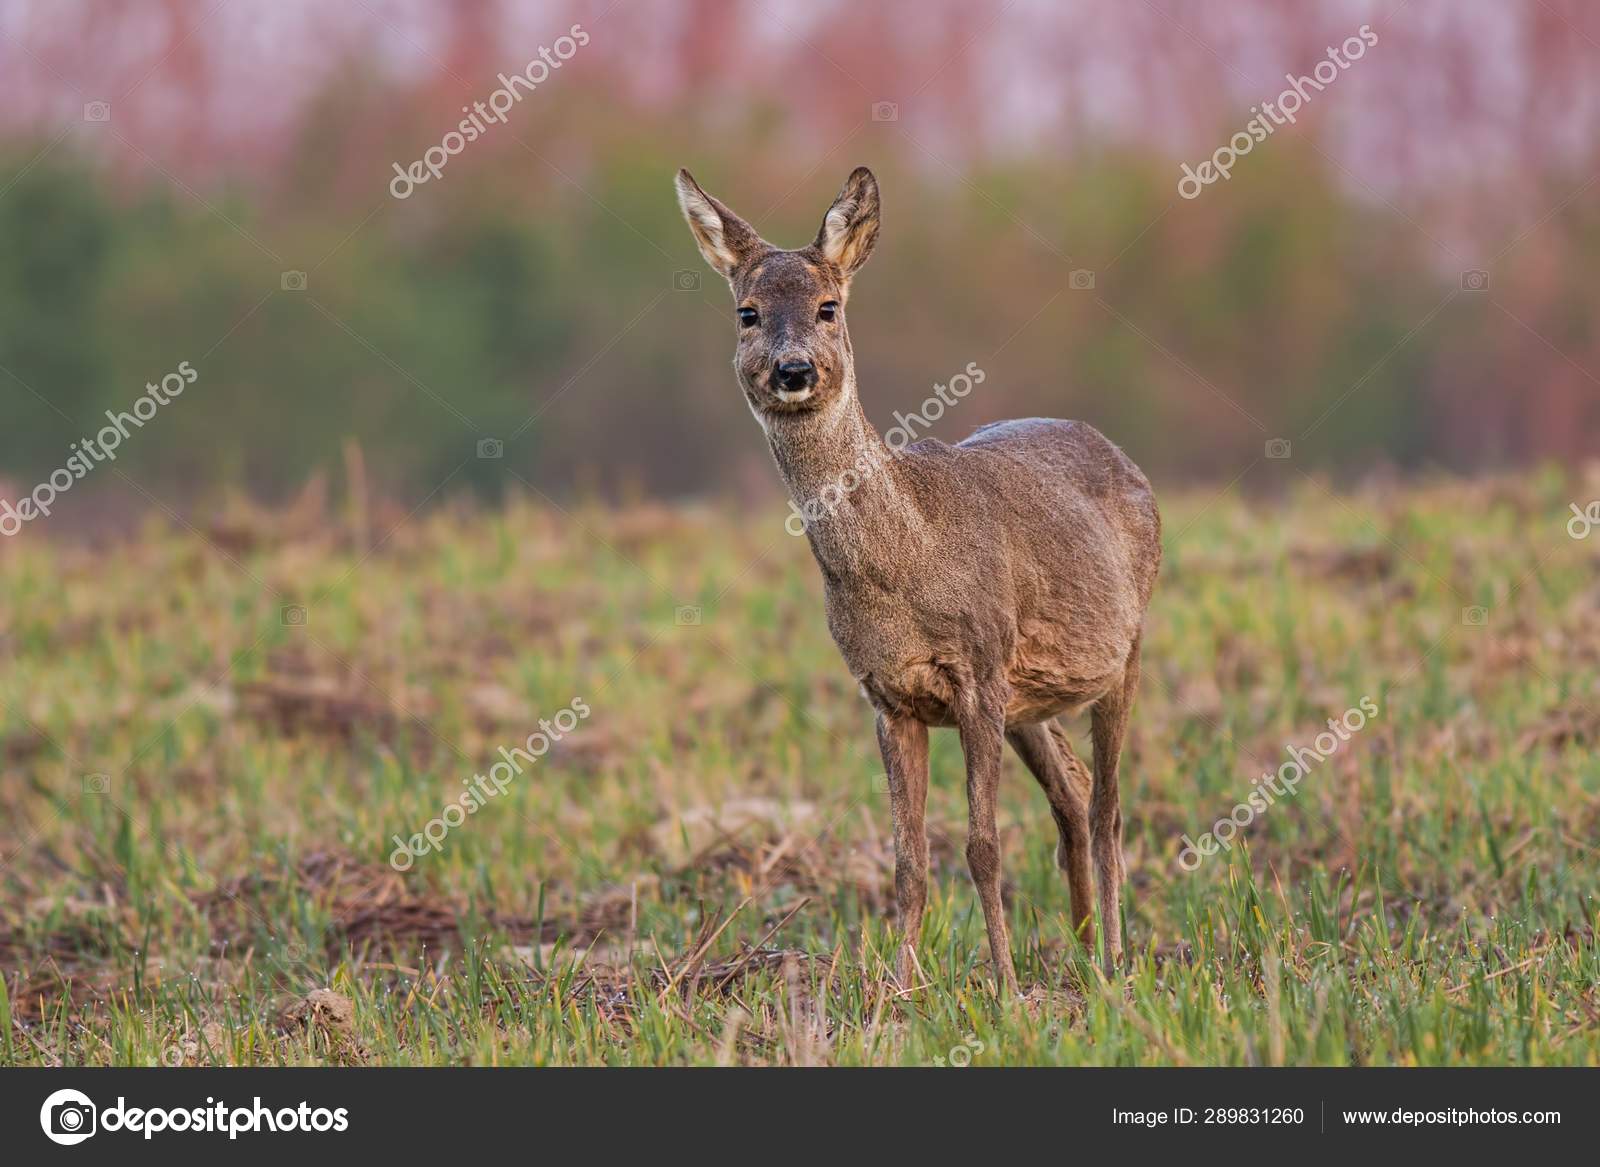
{"type": "Point", "coordinates": [793, 354]}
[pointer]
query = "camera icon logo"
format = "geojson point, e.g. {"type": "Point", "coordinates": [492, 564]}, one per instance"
{"type": "Point", "coordinates": [1278, 448]}
{"type": "Point", "coordinates": [68, 1117]}
{"type": "Point", "coordinates": [97, 783]}
{"type": "Point", "coordinates": [885, 111]}
{"type": "Point", "coordinates": [1476, 280]}
{"type": "Point", "coordinates": [1081, 280]}
{"type": "Point", "coordinates": [687, 616]}
{"type": "Point", "coordinates": [293, 616]}
{"type": "Point", "coordinates": [686, 281]}
{"type": "Point", "coordinates": [1475, 617]}
{"type": "Point", "coordinates": [961, 1055]}
{"type": "Point", "coordinates": [97, 111]}
{"type": "Point", "coordinates": [293, 281]}
{"type": "Point", "coordinates": [490, 448]}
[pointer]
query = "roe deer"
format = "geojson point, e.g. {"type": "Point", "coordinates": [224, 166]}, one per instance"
{"type": "Point", "coordinates": [991, 585]}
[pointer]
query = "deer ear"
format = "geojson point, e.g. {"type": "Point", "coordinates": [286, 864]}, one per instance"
{"type": "Point", "coordinates": [850, 228]}
{"type": "Point", "coordinates": [724, 238]}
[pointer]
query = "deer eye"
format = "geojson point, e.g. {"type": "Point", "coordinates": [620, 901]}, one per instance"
{"type": "Point", "coordinates": [747, 317]}
{"type": "Point", "coordinates": [828, 310]}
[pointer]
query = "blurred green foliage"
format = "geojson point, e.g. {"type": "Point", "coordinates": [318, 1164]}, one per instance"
{"type": "Point", "coordinates": [530, 294]}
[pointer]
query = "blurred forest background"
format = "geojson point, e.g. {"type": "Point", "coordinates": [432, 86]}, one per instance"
{"type": "Point", "coordinates": [531, 294]}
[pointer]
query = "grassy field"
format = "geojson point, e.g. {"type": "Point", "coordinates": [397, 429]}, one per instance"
{"type": "Point", "coordinates": [202, 789]}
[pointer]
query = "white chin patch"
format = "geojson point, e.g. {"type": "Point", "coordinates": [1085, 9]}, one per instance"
{"type": "Point", "coordinates": [790, 396]}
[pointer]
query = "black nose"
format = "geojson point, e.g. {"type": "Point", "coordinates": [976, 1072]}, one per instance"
{"type": "Point", "coordinates": [794, 375]}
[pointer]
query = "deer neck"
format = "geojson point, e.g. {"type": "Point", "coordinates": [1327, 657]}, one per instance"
{"type": "Point", "coordinates": [848, 490]}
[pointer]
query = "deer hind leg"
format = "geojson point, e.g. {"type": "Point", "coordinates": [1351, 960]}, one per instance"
{"type": "Point", "coordinates": [1108, 724]}
{"type": "Point", "coordinates": [982, 727]}
{"type": "Point", "coordinates": [904, 744]}
{"type": "Point", "coordinates": [1045, 749]}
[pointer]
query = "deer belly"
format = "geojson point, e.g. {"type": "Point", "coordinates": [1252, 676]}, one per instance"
{"type": "Point", "coordinates": [1056, 670]}
{"type": "Point", "coordinates": [1031, 704]}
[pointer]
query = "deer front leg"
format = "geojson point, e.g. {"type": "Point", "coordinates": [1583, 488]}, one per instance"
{"type": "Point", "coordinates": [983, 730]}
{"type": "Point", "coordinates": [904, 743]}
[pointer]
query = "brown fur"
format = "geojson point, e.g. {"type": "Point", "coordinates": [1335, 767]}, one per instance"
{"type": "Point", "coordinates": [992, 585]}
